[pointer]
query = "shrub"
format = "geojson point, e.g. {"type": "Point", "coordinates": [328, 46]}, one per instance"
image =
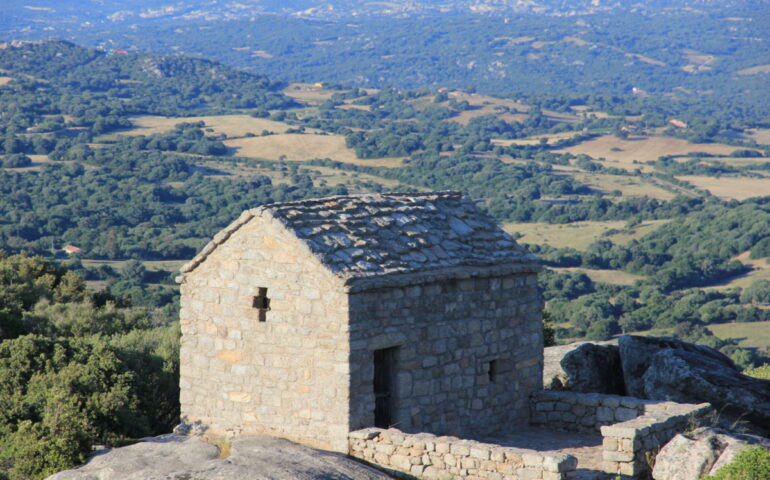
{"type": "Point", "coordinates": [750, 464]}
{"type": "Point", "coordinates": [762, 372]}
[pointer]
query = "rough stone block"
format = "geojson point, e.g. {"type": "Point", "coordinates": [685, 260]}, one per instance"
{"type": "Point", "coordinates": [605, 414]}
{"type": "Point", "coordinates": [623, 414]}
{"type": "Point", "coordinates": [460, 449]}
{"type": "Point", "coordinates": [480, 453]}
{"type": "Point", "coordinates": [618, 456]}
{"type": "Point", "coordinates": [401, 462]}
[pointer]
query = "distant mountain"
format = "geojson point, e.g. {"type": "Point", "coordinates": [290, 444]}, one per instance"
{"type": "Point", "coordinates": [57, 16]}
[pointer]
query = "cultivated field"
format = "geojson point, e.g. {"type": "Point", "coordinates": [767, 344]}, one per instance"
{"type": "Point", "coordinates": [751, 335]}
{"type": "Point", "coordinates": [578, 235]}
{"type": "Point", "coordinates": [614, 277]}
{"type": "Point", "coordinates": [230, 125]}
{"type": "Point", "coordinates": [5, 80]}
{"type": "Point", "coordinates": [642, 149]}
{"type": "Point", "coordinates": [300, 147]}
{"type": "Point", "coordinates": [728, 188]}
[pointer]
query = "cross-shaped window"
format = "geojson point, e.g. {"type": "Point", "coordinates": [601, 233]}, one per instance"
{"type": "Point", "coordinates": [262, 303]}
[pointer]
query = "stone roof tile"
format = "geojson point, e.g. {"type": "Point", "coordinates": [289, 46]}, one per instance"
{"type": "Point", "coordinates": [375, 234]}
{"type": "Point", "coordinates": [387, 234]}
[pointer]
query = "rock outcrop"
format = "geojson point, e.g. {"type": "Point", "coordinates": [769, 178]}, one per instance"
{"type": "Point", "coordinates": [636, 355]}
{"type": "Point", "coordinates": [686, 377]}
{"type": "Point", "coordinates": [668, 369]}
{"type": "Point", "coordinates": [584, 367]}
{"type": "Point", "coordinates": [255, 458]}
{"type": "Point", "coordinates": [702, 452]}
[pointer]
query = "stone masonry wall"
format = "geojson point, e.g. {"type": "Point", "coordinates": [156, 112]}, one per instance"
{"type": "Point", "coordinates": [286, 376]}
{"type": "Point", "coordinates": [633, 429]}
{"type": "Point", "coordinates": [427, 456]}
{"type": "Point", "coordinates": [449, 335]}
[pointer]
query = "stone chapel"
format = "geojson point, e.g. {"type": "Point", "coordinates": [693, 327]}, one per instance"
{"type": "Point", "coordinates": [307, 320]}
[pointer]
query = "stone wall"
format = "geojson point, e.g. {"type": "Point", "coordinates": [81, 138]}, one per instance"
{"type": "Point", "coordinates": [286, 376]}
{"type": "Point", "coordinates": [633, 429]}
{"type": "Point", "coordinates": [427, 456]}
{"type": "Point", "coordinates": [470, 352]}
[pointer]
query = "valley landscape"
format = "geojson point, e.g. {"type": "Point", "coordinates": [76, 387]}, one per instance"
{"type": "Point", "coordinates": [627, 146]}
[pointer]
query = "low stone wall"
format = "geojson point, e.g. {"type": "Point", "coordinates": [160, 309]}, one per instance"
{"type": "Point", "coordinates": [633, 429]}
{"type": "Point", "coordinates": [426, 456]}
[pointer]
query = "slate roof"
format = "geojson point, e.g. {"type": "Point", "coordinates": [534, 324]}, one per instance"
{"type": "Point", "coordinates": [369, 235]}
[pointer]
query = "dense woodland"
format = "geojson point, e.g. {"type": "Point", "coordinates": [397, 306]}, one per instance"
{"type": "Point", "coordinates": [70, 175]}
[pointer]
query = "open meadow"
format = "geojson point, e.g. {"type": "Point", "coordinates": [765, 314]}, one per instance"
{"type": "Point", "coordinates": [579, 235]}
{"type": "Point", "coordinates": [629, 186]}
{"type": "Point", "coordinates": [750, 335]}
{"type": "Point", "coordinates": [308, 93]}
{"type": "Point", "coordinates": [761, 271]}
{"type": "Point", "coordinates": [759, 135]}
{"type": "Point", "coordinates": [730, 188]}
{"type": "Point", "coordinates": [504, 109]}
{"type": "Point", "coordinates": [301, 147]}
{"type": "Point", "coordinates": [230, 125]}
{"type": "Point", "coordinates": [551, 138]}
{"type": "Point", "coordinates": [622, 152]}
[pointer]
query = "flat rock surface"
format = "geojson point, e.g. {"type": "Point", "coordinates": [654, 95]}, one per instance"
{"type": "Point", "coordinates": [176, 457]}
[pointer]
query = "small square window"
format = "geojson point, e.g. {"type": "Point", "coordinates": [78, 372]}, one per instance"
{"type": "Point", "coordinates": [492, 371]}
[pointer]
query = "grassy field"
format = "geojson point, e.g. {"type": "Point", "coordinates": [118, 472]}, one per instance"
{"type": "Point", "coordinates": [728, 188]}
{"type": "Point", "coordinates": [230, 125]}
{"type": "Point", "coordinates": [622, 152]}
{"type": "Point", "coordinates": [38, 162]}
{"type": "Point", "coordinates": [761, 271]}
{"type": "Point", "coordinates": [172, 266]}
{"type": "Point", "coordinates": [578, 235]}
{"type": "Point", "coordinates": [333, 177]}
{"type": "Point", "coordinates": [534, 140]}
{"type": "Point", "coordinates": [628, 186]}
{"type": "Point", "coordinates": [300, 147]}
{"type": "Point", "coordinates": [484, 105]}
{"type": "Point", "coordinates": [614, 277]}
{"type": "Point", "coordinates": [153, 265]}
{"type": "Point", "coordinates": [751, 335]}
{"type": "Point", "coordinates": [754, 70]}
{"type": "Point", "coordinates": [732, 161]}
{"type": "Point", "coordinates": [308, 93]}
{"type": "Point", "coordinates": [760, 135]}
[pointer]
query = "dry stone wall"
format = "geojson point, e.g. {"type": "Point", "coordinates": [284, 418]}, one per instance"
{"type": "Point", "coordinates": [469, 352]}
{"type": "Point", "coordinates": [427, 456]}
{"type": "Point", "coordinates": [633, 429]}
{"type": "Point", "coordinates": [281, 370]}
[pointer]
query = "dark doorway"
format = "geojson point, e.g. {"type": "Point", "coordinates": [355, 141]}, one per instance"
{"type": "Point", "coordinates": [384, 373]}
